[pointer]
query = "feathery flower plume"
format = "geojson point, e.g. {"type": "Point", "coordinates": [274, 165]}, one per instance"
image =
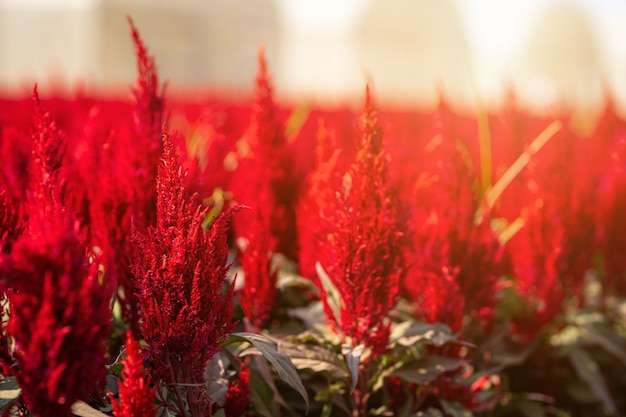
{"type": "Point", "coordinates": [264, 181]}
{"type": "Point", "coordinates": [364, 249]}
{"type": "Point", "coordinates": [10, 225]}
{"type": "Point", "coordinates": [317, 193]}
{"type": "Point", "coordinates": [447, 245]}
{"type": "Point", "coordinates": [54, 286]}
{"type": "Point", "coordinates": [180, 272]}
{"type": "Point", "coordinates": [147, 99]}
{"type": "Point", "coordinates": [148, 114]}
{"type": "Point", "coordinates": [47, 176]}
{"type": "Point", "coordinates": [136, 396]}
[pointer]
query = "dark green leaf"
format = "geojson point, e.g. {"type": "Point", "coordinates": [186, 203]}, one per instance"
{"type": "Point", "coordinates": [315, 358]}
{"type": "Point", "coordinates": [353, 359]}
{"type": "Point", "coordinates": [454, 409]}
{"type": "Point", "coordinates": [530, 408]}
{"type": "Point", "coordinates": [608, 339]}
{"type": "Point", "coordinates": [427, 369]}
{"type": "Point", "coordinates": [283, 365]}
{"type": "Point", "coordinates": [262, 397]}
{"type": "Point", "coordinates": [588, 370]}
{"type": "Point", "coordinates": [410, 332]}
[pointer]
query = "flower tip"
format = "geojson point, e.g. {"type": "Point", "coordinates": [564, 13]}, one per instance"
{"type": "Point", "coordinates": [131, 23]}
{"type": "Point", "coordinates": [262, 61]}
{"type": "Point", "coordinates": [36, 95]}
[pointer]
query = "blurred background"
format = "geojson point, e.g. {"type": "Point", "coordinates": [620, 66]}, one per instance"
{"type": "Point", "coordinates": [474, 52]}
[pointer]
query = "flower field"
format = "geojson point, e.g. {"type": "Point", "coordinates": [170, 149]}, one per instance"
{"type": "Point", "coordinates": [227, 257]}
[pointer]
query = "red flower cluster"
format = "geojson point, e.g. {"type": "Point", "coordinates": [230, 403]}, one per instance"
{"type": "Point", "coordinates": [52, 283]}
{"type": "Point", "coordinates": [180, 271]}
{"type": "Point", "coordinates": [136, 396]}
{"type": "Point", "coordinates": [363, 254]}
{"type": "Point", "coordinates": [264, 181]}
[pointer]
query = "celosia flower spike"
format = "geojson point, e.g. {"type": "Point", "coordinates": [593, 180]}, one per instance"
{"type": "Point", "coordinates": [49, 146]}
{"type": "Point", "coordinates": [148, 99]}
{"type": "Point", "coordinates": [135, 394]}
{"type": "Point", "coordinates": [55, 285]}
{"type": "Point", "coordinates": [180, 271]}
{"type": "Point", "coordinates": [364, 240]}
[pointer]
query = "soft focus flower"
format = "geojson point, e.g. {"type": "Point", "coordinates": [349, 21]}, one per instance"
{"type": "Point", "coordinates": [148, 109]}
{"type": "Point", "coordinates": [264, 181]}
{"type": "Point", "coordinates": [53, 286]}
{"type": "Point", "coordinates": [316, 192]}
{"type": "Point", "coordinates": [239, 393]}
{"type": "Point", "coordinates": [363, 253]}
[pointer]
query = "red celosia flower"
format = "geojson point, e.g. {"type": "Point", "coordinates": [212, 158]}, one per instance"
{"type": "Point", "coordinates": [363, 255]}
{"type": "Point", "coordinates": [610, 206]}
{"type": "Point", "coordinates": [552, 251]}
{"type": "Point", "coordinates": [238, 395]}
{"type": "Point", "coordinates": [442, 300]}
{"type": "Point", "coordinates": [136, 396]}
{"type": "Point", "coordinates": [446, 238]}
{"type": "Point", "coordinates": [148, 109]}
{"type": "Point", "coordinates": [310, 237]}
{"type": "Point", "coordinates": [47, 178]}
{"type": "Point", "coordinates": [54, 286]}
{"type": "Point", "coordinates": [10, 225]}
{"type": "Point", "coordinates": [180, 271]}
{"type": "Point", "coordinates": [114, 195]}
{"type": "Point", "coordinates": [148, 100]}
{"type": "Point", "coordinates": [264, 182]}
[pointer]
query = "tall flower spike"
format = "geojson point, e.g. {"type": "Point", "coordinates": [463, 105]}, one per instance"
{"type": "Point", "coordinates": [180, 271]}
{"type": "Point", "coordinates": [136, 396]}
{"type": "Point", "coordinates": [47, 178]}
{"type": "Point", "coordinates": [317, 192]}
{"type": "Point", "coordinates": [55, 286]}
{"type": "Point", "coordinates": [265, 182]}
{"type": "Point", "coordinates": [148, 100]}
{"type": "Point", "coordinates": [148, 113]}
{"type": "Point", "coordinates": [365, 240]}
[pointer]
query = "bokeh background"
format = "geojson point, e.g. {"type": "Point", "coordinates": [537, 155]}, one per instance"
{"type": "Point", "coordinates": [473, 51]}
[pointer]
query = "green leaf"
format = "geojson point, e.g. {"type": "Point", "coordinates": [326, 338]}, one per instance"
{"type": "Point", "coordinates": [333, 297]}
{"type": "Point", "coordinates": [312, 357]}
{"type": "Point", "coordinates": [220, 413]}
{"type": "Point", "coordinates": [455, 409]}
{"type": "Point", "coordinates": [353, 359]}
{"type": "Point", "coordinates": [589, 371]}
{"type": "Point", "coordinates": [432, 412]}
{"type": "Point", "coordinates": [263, 400]}
{"type": "Point", "coordinates": [530, 408]}
{"type": "Point", "coordinates": [82, 409]}
{"type": "Point", "coordinates": [426, 370]}
{"type": "Point", "coordinates": [608, 339]}
{"type": "Point", "coordinates": [410, 332]}
{"type": "Point", "coordinates": [283, 365]}
{"type": "Point", "coordinates": [9, 389]}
